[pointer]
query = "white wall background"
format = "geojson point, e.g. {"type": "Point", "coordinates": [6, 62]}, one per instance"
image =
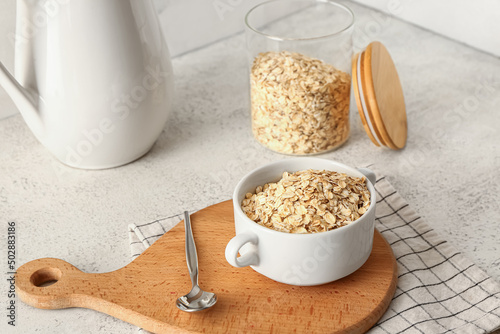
{"type": "Point", "coordinates": [475, 23]}
{"type": "Point", "coordinates": [191, 24]}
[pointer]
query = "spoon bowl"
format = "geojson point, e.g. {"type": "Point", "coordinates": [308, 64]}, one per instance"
{"type": "Point", "coordinates": [196, 300]}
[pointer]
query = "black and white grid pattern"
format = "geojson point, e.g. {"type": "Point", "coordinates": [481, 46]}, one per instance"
{"type": "Point", "coordinates": [438, 291]}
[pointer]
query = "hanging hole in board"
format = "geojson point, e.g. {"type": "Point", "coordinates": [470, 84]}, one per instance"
{"type": "Point", "coordinates": [45, 277]}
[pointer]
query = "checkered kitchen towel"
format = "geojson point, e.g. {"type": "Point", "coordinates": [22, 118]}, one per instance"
{"type": "Point", "coordinates": [439, 290]}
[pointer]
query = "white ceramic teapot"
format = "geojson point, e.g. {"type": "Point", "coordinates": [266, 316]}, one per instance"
{"type": "Point", "coordinates": [93, 78]}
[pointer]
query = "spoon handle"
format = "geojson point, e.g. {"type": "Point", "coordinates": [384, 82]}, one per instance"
{"type": "Point", "coordinates": [191, 256]}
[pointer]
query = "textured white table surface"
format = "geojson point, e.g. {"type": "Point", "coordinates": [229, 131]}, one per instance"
{"type": "Point", "coordinates": [447, 172]}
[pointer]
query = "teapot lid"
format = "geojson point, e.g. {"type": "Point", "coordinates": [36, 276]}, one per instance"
{"type": "Point", "coordinates": [379, 96]}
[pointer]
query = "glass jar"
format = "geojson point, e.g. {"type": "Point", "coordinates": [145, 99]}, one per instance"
{"type": "Point", "coordinates": [299, 54]}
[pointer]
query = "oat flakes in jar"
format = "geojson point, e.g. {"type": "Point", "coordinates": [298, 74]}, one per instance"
{"type": "Point", "coordinates": [300, 74]}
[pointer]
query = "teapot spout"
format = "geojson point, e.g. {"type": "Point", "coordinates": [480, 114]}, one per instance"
{"type": "Point", "coordinates": [23, 100]}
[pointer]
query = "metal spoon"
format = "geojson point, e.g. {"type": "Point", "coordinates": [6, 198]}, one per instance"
{"type": "Point", "coordinates": [196, 299]}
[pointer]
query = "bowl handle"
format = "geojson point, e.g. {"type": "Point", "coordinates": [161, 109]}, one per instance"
{"type": "Point", "coordinates": [234, 246]}
{"type": "Point", "coordinates": [370, 175]}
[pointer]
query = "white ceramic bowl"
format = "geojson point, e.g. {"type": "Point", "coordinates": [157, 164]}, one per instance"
{"type": "Point", "coordinates": [300, 259]}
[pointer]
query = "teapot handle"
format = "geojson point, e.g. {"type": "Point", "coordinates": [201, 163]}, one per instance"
{"type": "Point", "coordinates": [24, 67]}
{"type": "Point", "coordinates": [24, 100]}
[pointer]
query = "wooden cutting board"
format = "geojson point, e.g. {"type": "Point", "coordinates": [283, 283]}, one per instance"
{"type": "Point", "coordinates": [143, 293]}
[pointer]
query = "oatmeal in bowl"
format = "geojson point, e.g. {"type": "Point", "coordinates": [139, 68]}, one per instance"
{"type": "Point", "coordinates": [308, 201]}
{"type": "Point", "coordinates": [303, 221]}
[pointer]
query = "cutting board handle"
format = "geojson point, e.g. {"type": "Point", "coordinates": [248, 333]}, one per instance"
{"type": "Point", "coordinates": [49, 283]}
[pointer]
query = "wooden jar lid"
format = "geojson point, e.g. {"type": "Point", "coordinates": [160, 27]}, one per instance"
{"type": "Point", "coordinates": [379, 96]}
